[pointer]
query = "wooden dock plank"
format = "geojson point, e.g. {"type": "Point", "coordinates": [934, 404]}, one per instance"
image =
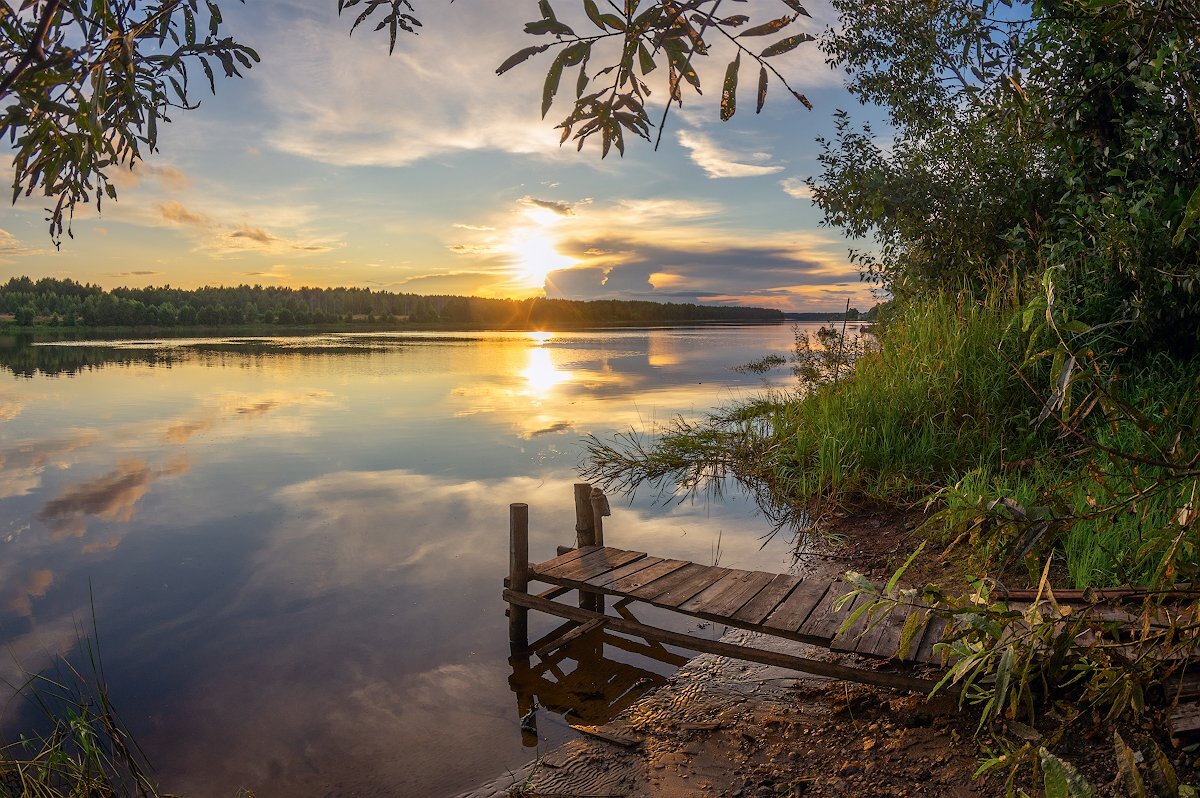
{"type": "Point", "coordinates": [563, 559]}
{"type": "Point", "coordinates": [849, 640]}
{"type": "Point", "coordinates": [630, 585]}
{"type": "Point", "coordinates": [799, 604]}
{"type": "Point", "coordinates": [756, 610]}
{"type": "Point", "coordinates": [933, 635]}
{"type": "Point", "coordinates": [679, 576]}
{"type": "Point", "coordinates": [625, 570]}
{"type": "Point", "coordinates": [716, 591]}
{"type": "Point", "coordinates": [683, 590]}
{"type": "Point", "coordinates": [824, 619]}
{"type": "Point", "coordinates": [722, 608]}
{"type": "Point", "coordinates": [594, 564]}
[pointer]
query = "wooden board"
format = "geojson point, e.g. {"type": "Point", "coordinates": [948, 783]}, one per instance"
{"type": "Point", "coordinates": [648, 591]}
{"type": "Point", "coordinates": [933, 635]}
{"type": "Point", "coordinates": [721, 607]}
{"type": "Point", "coordinates": [629, 585]}
{"type": "Point", "coordinates": [758, 608]}
{"type": "Point", "coordinates": [824, 620]}
{"type": "Point", "coordinates": [625, 570]}
{"type": "Point", "coordinates": [562, 559]}
{"type": "Point", "coordinates": [1185, 719]}
{"type": "Point", "coordinates": [849, 640]}
{"type": "Point", "coordinates": [593, 564]}
{"type": "Point", "coordinates": [684, 589]}
{"type": "Point", "coordinates": [717, 590]}
{"type": "Point", "coordinates": [748, 653]}
{"type": "Point", "coordinates": [799, 604]}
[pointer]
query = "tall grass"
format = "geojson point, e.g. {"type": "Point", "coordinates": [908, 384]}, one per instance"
{"type": "Point", "coordinates": [945, 412]}
{"type": "Point", "coordinates": [82, 749]}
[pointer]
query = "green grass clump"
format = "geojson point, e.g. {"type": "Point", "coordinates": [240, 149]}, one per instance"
{"type": "Point", "coordinates": [82, 749]}
{"type": "Point", "coordinates": [952, 411]}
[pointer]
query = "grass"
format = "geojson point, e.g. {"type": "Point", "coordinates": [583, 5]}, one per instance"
{"type": "Point", "coordinates": [945, 413]}
{"type": "Point", "coordinates": [83, 750]}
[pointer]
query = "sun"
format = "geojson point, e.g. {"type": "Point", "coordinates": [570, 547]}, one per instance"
{"type": "Point", "coordinates": [534, 256]}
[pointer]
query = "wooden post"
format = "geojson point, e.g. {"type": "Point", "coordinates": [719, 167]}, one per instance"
{"type": "Point", "coordinates": [585, 535]}
{"type": "Point", "coordinates": [600, 509]}
{"type": "Point", "coordinates": [585, 526]}
{"type": "Point", "coordinates": [518, 572]}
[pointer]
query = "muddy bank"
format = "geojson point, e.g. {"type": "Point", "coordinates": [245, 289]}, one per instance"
{"type": "Point", "coordinates": [722, 727]}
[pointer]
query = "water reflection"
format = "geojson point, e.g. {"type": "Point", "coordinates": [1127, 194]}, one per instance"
{"type": "Point", "coordinates": [295, 546]}
{"type": "Point", "coordinates": [541, 374]}
{"type": "Point", "coordinates": [580, 683]}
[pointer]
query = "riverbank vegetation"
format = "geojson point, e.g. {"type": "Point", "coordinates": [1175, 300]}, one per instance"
{"type": "Point", "coordinates": [1036, 382]}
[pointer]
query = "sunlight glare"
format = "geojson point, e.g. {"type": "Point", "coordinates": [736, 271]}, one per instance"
{"type": "Point", "coordinates": [541, 375]}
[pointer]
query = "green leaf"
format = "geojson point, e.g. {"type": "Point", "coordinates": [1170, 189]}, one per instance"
{"type": "Point", "coordinates": [645, 59]}
{"type": "Point", "coordinates": [1061, 779]}
{"type": "Point", "coordinates": [1190, 214]}
{"type": "Point", "coordinates": [551, 86]}
{"type": "Point", "coordinates": [767, 28]}
{"type": "Point", "coordinates": [593, 13]}
{"type": "Point", "coordinates": [520, 57]}
{"type": "Point", "coordinates": [787, 45]}
{"type": "Point", "coordinates": [1127, 769]}
{"type": "Point", "coordinates": [795, 6]}
{"type": "Point", "coordinates": [729, 90]}
{"type": "Point", "coordinates": [762, 90]}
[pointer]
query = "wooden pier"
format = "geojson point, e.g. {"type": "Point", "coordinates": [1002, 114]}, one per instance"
{"type": "Point", "coordinates": [806, 610]}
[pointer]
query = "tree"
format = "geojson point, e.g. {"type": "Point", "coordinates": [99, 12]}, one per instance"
{"type": "Point", "coordinates": [89, 82]}
{"type": "Point", "coordinates": [1066, 137]}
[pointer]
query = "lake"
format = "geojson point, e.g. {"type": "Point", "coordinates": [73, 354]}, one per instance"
{"type": "Point", "coordinates": [294, 546]}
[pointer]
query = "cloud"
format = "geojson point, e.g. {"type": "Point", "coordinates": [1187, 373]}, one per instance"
{"type": "Point", "coordinates": [561, 208]}
{"type": "Point", "coordinates": [22, 463]}
{"type": "Point", "coordinates": [247, 238]}
{"type": "Point", "coordinates": [174, 212]}
{"type": "Point", "coordinates": [796, 187]}
{"type": "Point", "coordinates": [343, 100]}
{"type": "Point", "coordinates": [718, 162]}
{"type": "Point", "coordinates": [112, 497]}
{"type": "Point", "coordinates": [12, 247]}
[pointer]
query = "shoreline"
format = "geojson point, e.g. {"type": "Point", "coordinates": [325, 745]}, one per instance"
{"type": "Point", "coordinates": [726, 727]}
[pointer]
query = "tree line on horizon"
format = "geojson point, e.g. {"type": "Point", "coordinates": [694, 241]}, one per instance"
{"type": "Point", "coordinates": [68, 303]}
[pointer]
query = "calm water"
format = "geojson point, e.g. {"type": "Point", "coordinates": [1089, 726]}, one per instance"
{"type": "Point", "coordinates": [295, 545]}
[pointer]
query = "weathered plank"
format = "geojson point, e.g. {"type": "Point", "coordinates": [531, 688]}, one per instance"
{"type": "Point", "coordinates": [1184, 719]}
{"type": "Point", "coordinates": [795, 609]}
{"type": "Point", "coordinates": [625, 570]}
{"type": "Point", "coordinates": [716, 590]}
{"type": "Point", "coordinates": [722, 607]}
{"type": "Point", "coordinates": [629, 585]}
{"type": "Point", "coordinates": [849, 640]}
{"type": "Point", "coordinates": [563, 559]}
{"type": "Point", "coordinates": [677, 577]}
{"type": "Point", "coordinates": [934, 631]}
{"type": "Point", "coordinates": [825, 618]}
{"type": "Point", "coordinates": [758, 608]}
{"type": "Point", "coordinates": [590, 565]}
{"type": "Point", "coordinates": [684, 590]}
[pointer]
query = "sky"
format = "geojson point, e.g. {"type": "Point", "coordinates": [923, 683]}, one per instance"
{"type": "Point", "coordinates": [333, 163]}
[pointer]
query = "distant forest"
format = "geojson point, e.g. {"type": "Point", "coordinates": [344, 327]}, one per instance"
{"type": "Point", "coordinates": [66, 303]}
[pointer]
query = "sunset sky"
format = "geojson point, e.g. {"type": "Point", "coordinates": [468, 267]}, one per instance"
{"type": "Point", "coordinates": [332, 163]}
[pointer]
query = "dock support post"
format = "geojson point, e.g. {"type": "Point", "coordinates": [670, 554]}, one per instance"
{"type": "Point", "coordinates": [585, 535]}
{"type": "Point", "coordinates": [585, 526]}
{"type": "Point", "coordinates": [600, 509]}
{"type": "Point", "coordinates": [518, 572]}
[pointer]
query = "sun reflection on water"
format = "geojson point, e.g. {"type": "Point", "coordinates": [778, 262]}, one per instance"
{"type": "Point", "coordinates": [541, 375]}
